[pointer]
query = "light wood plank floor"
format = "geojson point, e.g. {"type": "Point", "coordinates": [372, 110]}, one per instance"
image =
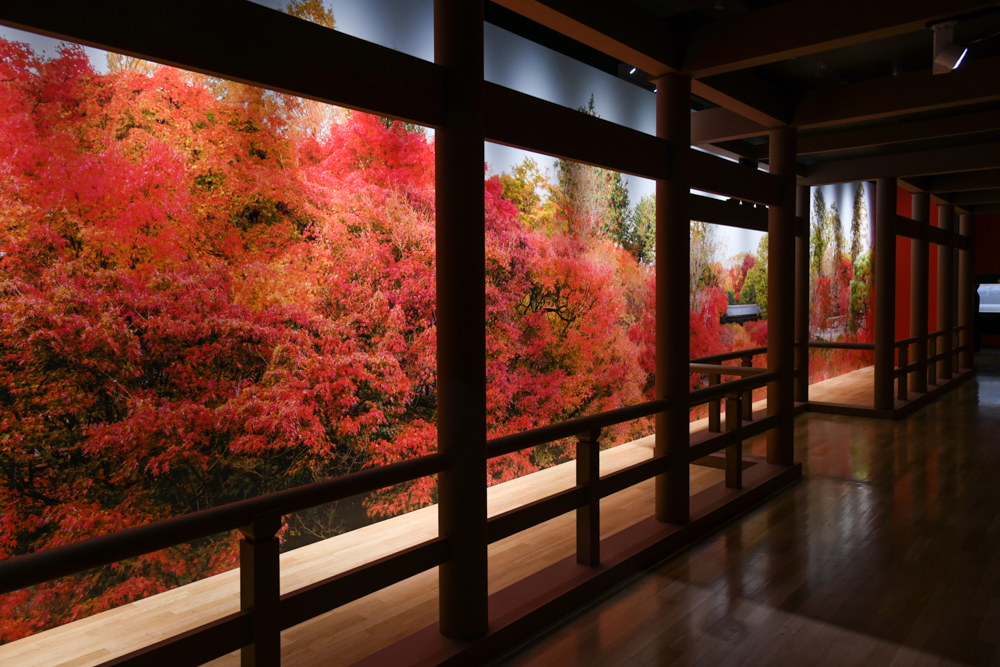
{"type": "Point", "coordinates": [361, 628]}
{"type": "Point", "coordinates": [887, 553]}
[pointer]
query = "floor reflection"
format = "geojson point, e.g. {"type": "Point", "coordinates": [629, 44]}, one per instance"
{"type": "Point", "coordinates": [888, 552]}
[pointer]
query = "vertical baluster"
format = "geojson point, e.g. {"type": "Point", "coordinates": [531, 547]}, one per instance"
{"type": "Point", "coordinates": [734, 453]}
{"type": "Point", "coordinates": [931, 365]}
{"type": "Point", "coordinates": [747, 362]}
{"type": "Point", "coordinates": [588, 517]}
{"type": "Point", "coordinates": [714, 407]}
{"type": "Point", "coordinates": [259, 590]}
{"type": "Point", "coordinates": [903, 363]}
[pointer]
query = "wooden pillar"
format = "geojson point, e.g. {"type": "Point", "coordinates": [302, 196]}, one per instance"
{"type": "Point", "coordinates": [919, 269]}
{"type": "Point", "coordinates": [781, 298]}
{"type": "Point", "coordinates": [966, 289]}
{"type": "Point", "coordinates": [802, 294]}
{"type": "Point", "coordinates": [673, 326]}
{"type": "Point", "coordinates": [260, 590]}
{"type": "Point", "coordinates": [885, 291]}
{"type": "Point", "coordinates": [461, 317]}
{"type": "Point", "coordinates": [588, 517]}
{"type": "Point", "coordinates": [945, 292]}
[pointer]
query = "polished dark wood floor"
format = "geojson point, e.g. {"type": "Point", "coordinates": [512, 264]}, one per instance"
{"type": "Point", "coordinates": [887, 553]}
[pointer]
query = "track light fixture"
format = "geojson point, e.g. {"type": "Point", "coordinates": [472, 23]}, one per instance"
{"type": "Point", "coordinates": [947, 55]}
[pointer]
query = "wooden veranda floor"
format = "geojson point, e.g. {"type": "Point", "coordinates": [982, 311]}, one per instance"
{"type": "Point", "coordinates": [361, 628]}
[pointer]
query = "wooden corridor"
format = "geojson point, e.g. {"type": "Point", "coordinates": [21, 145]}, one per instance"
{"type": "Point", "coordinates": [887, 553]}
{"type": "Point", "coordinates": [832, 448]}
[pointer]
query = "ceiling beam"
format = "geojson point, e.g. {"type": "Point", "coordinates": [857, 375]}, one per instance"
{"type": "Point", "coordinates": [902, 165]}
{"type": "Point", "coordinates": [963, 181]}
{"type": "Point", "coordinates": [900, 132]}
{"type": "Point", "coordinates": [750, 96]}
{"type": "Point", "coordinates": [973, 197]}
{"type": "Point", "coordinates": [712, 126]}
{"type": "Point", "coordinates": [984, 209]}
{"type": "Point", "coordinates": [632, 35]}
{"type": "Point", "coordinates": [621, 30]}
{"type": "Point", "coordinates": [803, 27]}
{"type": "Point", "coordinates": [974, 82]}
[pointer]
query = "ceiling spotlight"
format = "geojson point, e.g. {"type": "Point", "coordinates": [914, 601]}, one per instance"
{"type": "Point", "coordinates": [947, 55]}
{"type": "Point", "coordinates": [633, 71]}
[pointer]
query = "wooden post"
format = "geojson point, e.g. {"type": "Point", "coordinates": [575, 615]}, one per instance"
{"type": "Point", "coordinates": [734, 452]}
{"type": "Point", "coordinates": [966, 290]}
{"type": "Point", "coordinates": [903, 363]}
{"type": "Point", "coordinates": [673, 326]}
{"type": "Point", "coordinates": [588, 517]}
{"type": "Point", "coordinates": [714, 407]}
{"type": "Point", "coordinates": [931, 365]}
{"type": "Point", "coordinates": [885, 291]}
{"type": "Point", "coordinates": [781, 298]}
{"type": "Point", "coordinates": [919, 269]}
{"type": "Point", "coordinates": [946, 290]}
{"type": "Point", "coordinates": [802, 294]}
{"type": "Point", "coordinates": [747, 362]}
{"type": "Point", "coordinates": [260, 590]}
{"type": "Point", "coordinates": [461, 318]}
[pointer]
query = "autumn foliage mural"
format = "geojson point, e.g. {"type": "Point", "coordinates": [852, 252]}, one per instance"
{"type": "Point", "coordinates": [840, 274]}
{"type": "Point", "coordinates": [209, 292]}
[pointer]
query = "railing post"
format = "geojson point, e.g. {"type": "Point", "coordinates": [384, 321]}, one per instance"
{"type": "Point", "coordinates": [734, 452]}
{"type": "Point", "coordinates": [801, 297]}
{"type": "Point", "coordinates": [781, 297]}
{"type": "Point", "coordinates": [903, 379]}
{"type": "Point", "coordinates": [460, 245]}
{"type": "Point", "coordinates": [588, 517]}
{"type": "Point", "coordinates": [946, 289]}
{"type": "Point", "coordinates": [931, 365]}
{"type": "Point", "coordinates": [673, 306]}
{"type": "Point", "coordinates": [260, 590]}
{"type": "Point", "coordinates": [919, 269]}
{"type": "Point", "coordinates": [966, 291]}
{"type": "Point", "coordinates": [747, 362]}
{"type": "Point", "coordinates": [714, 407]}
{"type": "Point", "coordinates": [885, 291]}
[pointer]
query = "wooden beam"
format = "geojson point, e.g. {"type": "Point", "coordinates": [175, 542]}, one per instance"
{"type": "Point", "coordinates": [900, 132]}
{"type": "Point", "coordinates": [802, 27]}
{"type": "Point", "coordinates": [976, 197]}
{"type": "Point", "coordinates": [621, 30]}
{"type": "Point", "coordinates": [964, 181]}
{"type": "Point", "coordinates": [223, 38]}
{"type": "Point", "coordinates": [974, 82]}
{"type": "Point", "coordinates": [917, 163]}
{"type": "Point", "coordinates": [750, 96]}
{"type": "Point", "coordinates": [523, 121]}
{"type": "Point", "coordinates": [715, 125]}
{"type": "Point", "coordinates": [635, 36]}
{"type": "Point", "coordinates": [984, 209]}
{"type": "Point", "coordinates": [730, 213]}
{"type": "Point", "coordinates": [722, 177]}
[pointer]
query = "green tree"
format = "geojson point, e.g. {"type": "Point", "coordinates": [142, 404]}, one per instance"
{"type": "Point", "coordinates": [755, 286]}
{"type": "Point", "coordinates": [861, 291]}
{"type": "Point", "coordinates": [859, 224]}
{"type": "Point", "coordinates": [818, 238]}
{"type": "Point", "coordinates": [617, 222]}
{"type": "Point", "coordinates": [642, 244]}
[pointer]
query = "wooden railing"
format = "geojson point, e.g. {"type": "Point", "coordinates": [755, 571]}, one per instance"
{"type": "Point", "coordinates": [591, 486]}
{"type": "Point", "coordinates": [265, 612]}
{"type": "Point", "coordinates": [903, 368]}
{"type": "Point", "coordinates": [746, 361]}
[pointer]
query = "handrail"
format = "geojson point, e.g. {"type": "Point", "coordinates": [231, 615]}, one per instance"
{"type": "Point", "coordinates": [743, 371]}
{"type": "Point", "coordinates": [906, 341]}
{"type": "Point", "coordinates": [729, 356]}
{"type": "Point", "coordinates": [36, 568]}
{"type": "Point", "coordinates": [836, 345]}
{"type": "Point", "coordinates": [515, 442]}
